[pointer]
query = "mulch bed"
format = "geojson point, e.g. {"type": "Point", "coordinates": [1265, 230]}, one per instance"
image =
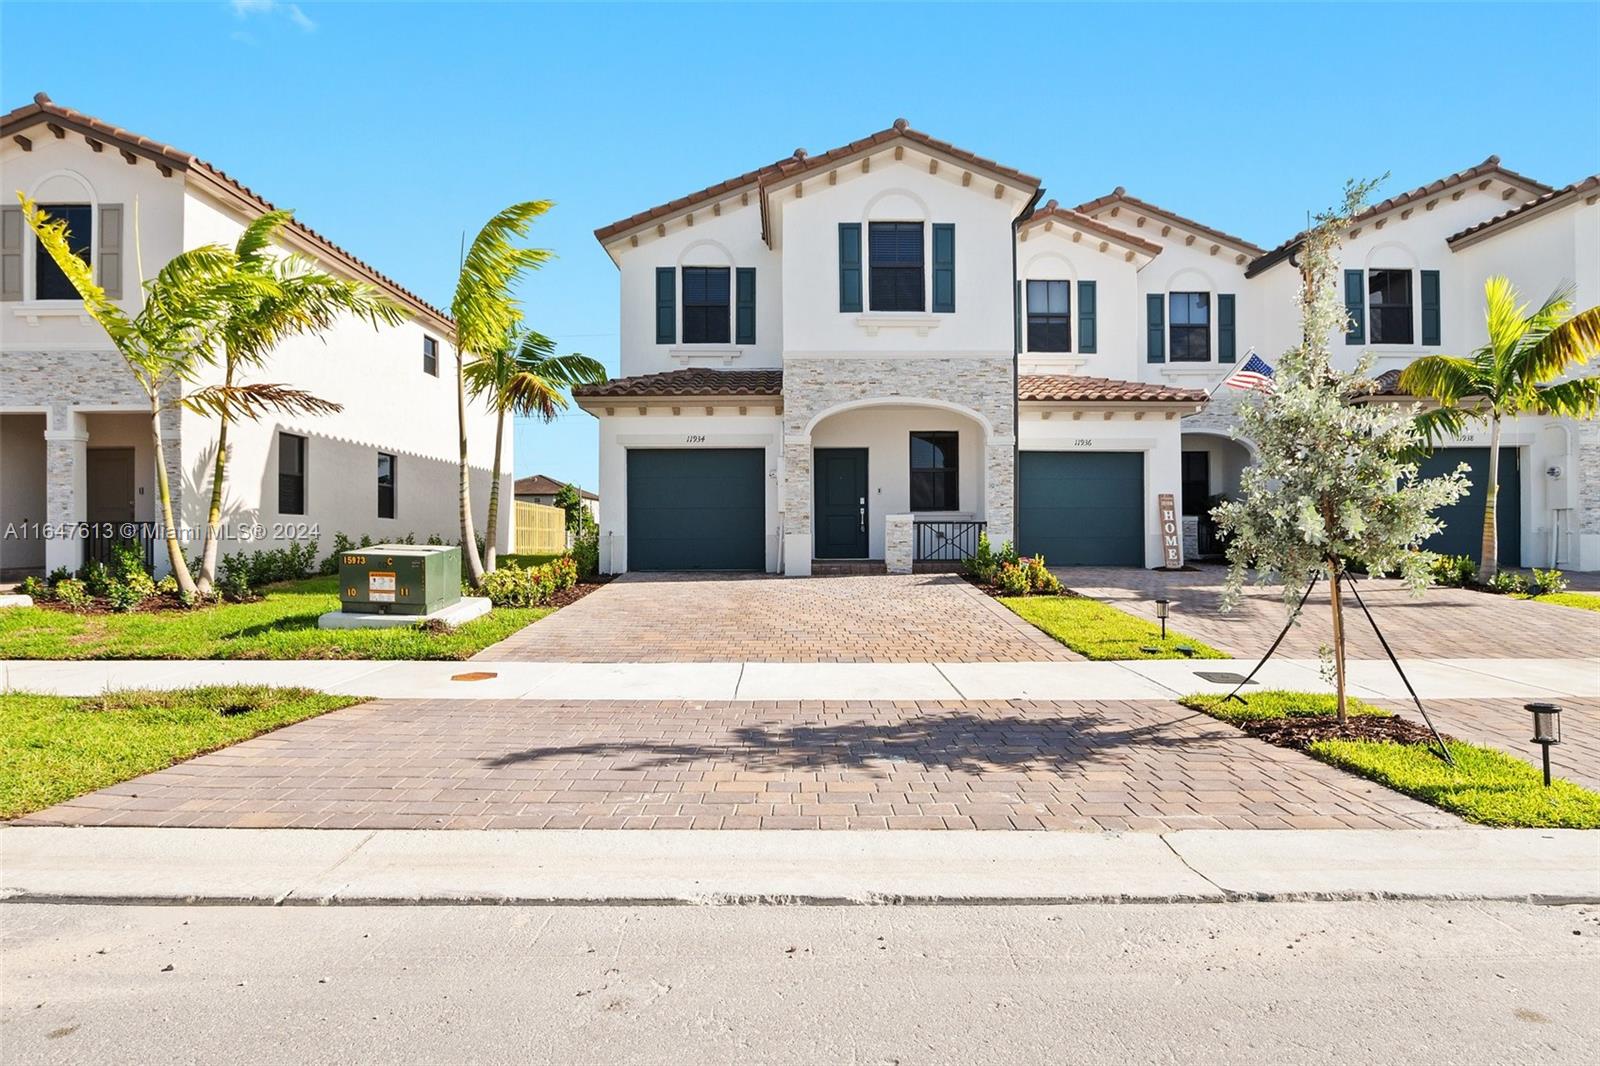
{"type": "Point", "coordinates": [580, 590]}
{"type": "Point", "coordinates": [1301, 733]}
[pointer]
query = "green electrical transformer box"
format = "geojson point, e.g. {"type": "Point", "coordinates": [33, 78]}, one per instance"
{"type": "Point", "coordinates": [399, 579]}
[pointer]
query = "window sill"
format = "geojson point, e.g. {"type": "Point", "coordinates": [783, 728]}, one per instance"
{"type": "Point", "coordinates": [1192, 370]}
{"type": "Point", "coordinates": [916, 320]}
{"type": "Point", "coordinates": [32, 313]}
{"type": "Point", "coordinates": [692, 354]}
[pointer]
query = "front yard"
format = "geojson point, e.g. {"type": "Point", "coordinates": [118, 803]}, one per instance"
{"type": "Point", "coordinates": [282, 625]}
{"type": "Point", "coordinates": [53, 748]}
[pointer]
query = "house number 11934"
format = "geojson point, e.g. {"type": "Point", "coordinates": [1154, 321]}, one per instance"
{"type": "Point", "coordinates": [695, 438]}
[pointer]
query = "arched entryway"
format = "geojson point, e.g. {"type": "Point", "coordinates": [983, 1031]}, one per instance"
{"type": "Point", "coordinates": [1212, 465]}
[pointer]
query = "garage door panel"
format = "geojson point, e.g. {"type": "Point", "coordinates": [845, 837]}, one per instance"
{"type": "Point", "coordinates": [701, 509]}
{"type": "Point", "coordinates": [1082, 508]}
{"type": "Point", "coordinates": [1463, 520]}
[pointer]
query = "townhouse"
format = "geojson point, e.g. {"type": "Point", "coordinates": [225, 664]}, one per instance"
{"type": "Point", "coordinates": [77, 467]}
{"type": "Point", "coordinates": [867, 356]}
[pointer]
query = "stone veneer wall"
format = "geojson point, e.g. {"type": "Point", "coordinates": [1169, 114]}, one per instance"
{"type": "Point", "coordinates": [1587, 437]}
{"type": "Point", "coordinates": [984, 385]}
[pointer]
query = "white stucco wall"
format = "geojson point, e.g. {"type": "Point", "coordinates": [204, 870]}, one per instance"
{"type": "Point", "coordinates": [1052, 255]}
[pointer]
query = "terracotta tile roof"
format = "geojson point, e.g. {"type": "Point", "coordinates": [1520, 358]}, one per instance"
{"type": "Point", "coordinates": [1079, 220]}
{"type": "Point", "coordinates": [540, 485]}
{"type": "Point", "coordinates": [801, 162]}
{"type": "Point", "coordinates": [1069, 388]}
{"type": "Point", "coordinates": [1119, 195]}
{"type": "Point", "coordinates": [1490, 167]}
{"type": "Point", "coordinates": [688, 382]}
{"type": "Point", "coordinates": [1553, 198]}
{"type": "Point", "coordinates": [43, 110]}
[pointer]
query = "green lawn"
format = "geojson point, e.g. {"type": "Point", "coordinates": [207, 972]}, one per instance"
{"type": "Point", "coordinates": [1485, 786]}
{"type": "Point", "coordinates": [55, 747]}
{"type": "Point", "coordinates": [1587, 601]}
{"type": "Point", "coordinates": [1100, 631]}
{"type": "Point", "coordinates": [281, 626]}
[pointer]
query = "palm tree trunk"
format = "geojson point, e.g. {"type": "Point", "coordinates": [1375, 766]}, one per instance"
{"type": "Point", "coordinates": [469, 537]}
{"type": "Point", "coordinates": [180, 568]}
{"type": "Point", "coordinates": [208, 554]}
{"type": "Point", "coordinates": [1489, 553]}
{"type": "Point", "coordinates": [491, 529]}
{"type": "Point", "coordinates": [1338, 642]}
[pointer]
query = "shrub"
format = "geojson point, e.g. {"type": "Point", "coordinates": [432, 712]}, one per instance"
{"type": "Point", "coordinates": [73, 593]}
{"type": "Point", "coordinates": [530, 586]}
{"type": "Point", "coordinates": [1040, 580]}
{"type": "Point", "coordinates": [435, 541]}
{"type": "Point", "coordinates": [341, 544]}
{"type": "Point", "coordinates": [1007, 554]}
{"type": "Point", "coordinates": [127, 559]}
{"type": "Point", "coordinates": [981, 564]}
{"type": "Point", "coordinates": [1508, 581]}
{"type": "Point", "coordinates": [57, 576]}
{"type": "Point", "coordinates": [586, 552]}
{"type": "Point", "coordinates": [1012, 579]}
{"type": "Point", "coordinates": [97, 578]}
{"type": "Point", "coordinates": [1549, 582]}
{"type": "Point", "coordinates": [167, 586]}
{"type": "Point", "coordinates": [36, 587]}
{"type": "Point", "coordinates": [1453, 571]}
{"type": "Point", "coordinates": [124, 597]}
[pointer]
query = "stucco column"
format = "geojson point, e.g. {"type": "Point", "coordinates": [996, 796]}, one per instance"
{"type": "Point", "coordinates": [796, 505]}
{"type": "Point", "coordinates": [66, 488]}
{"type": "Point", "coordinates": [999, 477]}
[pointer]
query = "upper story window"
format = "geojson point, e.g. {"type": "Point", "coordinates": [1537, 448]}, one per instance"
{"type": "Point", "coordinates": [1389, 306]}
{"type": "Point", "coordinates": [1190, 321]}
{"type": "Point", "coordinates": [291, 474]}
{"type": "Point", "coordinates": [705, 305]}
{"type": "Point", "coordinates": [894, 261]}
{"type": "Point", "coordinates": [935, 485]}
{"type": "Point", "coordinates": [49, 282]}
{"type": "Point", "coordinates": [430, 356]}
{"type": "Point", "coordinates": [386, 465]}
{"type": "Point", "coordinates": [1049, 316]}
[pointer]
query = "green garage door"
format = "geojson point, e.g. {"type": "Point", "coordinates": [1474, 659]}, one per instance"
{"type": "Point", "coordinates": [1463, 520]}
{"type": "Point", "coordinates": [1082, 508]}
{"type": "Point", "coordinates": [703, 509]}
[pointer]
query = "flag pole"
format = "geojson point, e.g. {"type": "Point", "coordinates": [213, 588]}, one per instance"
{"type": "Point", "coordinates": [1248, 353]}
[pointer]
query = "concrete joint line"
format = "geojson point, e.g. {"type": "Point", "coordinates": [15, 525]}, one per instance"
{"type": "Point", "coordinates": [953, 686]}
{"type": "Point", "coordinates": [290, 897]}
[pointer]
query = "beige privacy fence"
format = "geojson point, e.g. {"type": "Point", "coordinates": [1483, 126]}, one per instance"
{"type": "Point", "coordinates": [541, 530]}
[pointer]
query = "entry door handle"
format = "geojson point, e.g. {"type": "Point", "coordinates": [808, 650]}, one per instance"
{"type": "Point", "coordinates": [863, 514]}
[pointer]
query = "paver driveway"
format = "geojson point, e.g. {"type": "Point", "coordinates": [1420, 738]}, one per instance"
{"type": "Point", "coordinates": [1443, 623]}
{"type": "Point", "coordinates": [602, 765]}
{"type": "Point", "coordinates": [696, 618]}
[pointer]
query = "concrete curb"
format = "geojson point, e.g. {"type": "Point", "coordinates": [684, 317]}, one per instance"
{"type": "Point", "coordinates": [289, 867]}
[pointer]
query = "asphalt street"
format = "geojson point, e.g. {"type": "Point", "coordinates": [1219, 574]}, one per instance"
{"type": "Point", "coordinates": [1359, 982]}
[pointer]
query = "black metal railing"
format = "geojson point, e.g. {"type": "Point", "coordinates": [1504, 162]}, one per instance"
{"type": "Point", "coordinates": [101, 537]}
{"type": "Point", "coordinates": [945, 541]}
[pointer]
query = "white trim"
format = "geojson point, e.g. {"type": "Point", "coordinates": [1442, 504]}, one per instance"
{"type": "Point", "coordinates": [897, 401]}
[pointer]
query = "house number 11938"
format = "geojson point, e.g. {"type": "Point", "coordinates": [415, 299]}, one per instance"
{"type": "Point", "coordinates": [695, 438]}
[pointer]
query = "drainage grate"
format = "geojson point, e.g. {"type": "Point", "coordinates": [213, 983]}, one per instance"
{"type": "Point", "coordinates": [476, 675]}
{"type": "Point", "coordinates": [1219, 677]}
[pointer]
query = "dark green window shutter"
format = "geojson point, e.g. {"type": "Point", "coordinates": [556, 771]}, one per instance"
{"type": "Point", "coordinates": [849, 266]}
{"type": "Point", "coordinates": [1355, 305]}
{"type": "Point", "coordinates": [944, 266]}
{"type": "Point", "coordinates": [1155, 329]}
{"type": "Point", "coordinates": [744, 315]}
{"type": "Point", "coordinates": [1226, 347]}
{"type": "Point", "coordinates": [1086, 318]}
{"type": "Point", "coordinates": [1430, 307]}
{"type": "Point", "coordinates": [666, 305]}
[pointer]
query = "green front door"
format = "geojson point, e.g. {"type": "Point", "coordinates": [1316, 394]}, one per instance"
{"type": "Point", "coordinates": [841, 502]}
{"type": "Point", "coordinates": [1082, 508]}
{"type": "Point", "coordinates": [1463, 520]}
{"type": "Point", "coordinates": [696, 509]}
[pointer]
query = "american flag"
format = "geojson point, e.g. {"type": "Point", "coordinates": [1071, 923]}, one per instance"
{"type": "Point", "coordinates": [1255, 374]}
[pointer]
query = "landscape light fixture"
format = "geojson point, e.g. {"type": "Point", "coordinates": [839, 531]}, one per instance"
{"type": "Point", "coordinates": [1546, 730]}
{"type": "Point", "coordinates": [1161, 613]}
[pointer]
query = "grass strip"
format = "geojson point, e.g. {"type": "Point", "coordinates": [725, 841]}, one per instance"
{"type": "Point", "coordinates": [1097, 630]}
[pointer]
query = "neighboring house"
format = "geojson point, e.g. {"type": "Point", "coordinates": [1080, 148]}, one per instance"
{"type": "Point", "coordinates": [541, 489]}
{"type": "Point", "coordinates": [75, 428]}
{"type": "Point", "coordinates": [893, 341]}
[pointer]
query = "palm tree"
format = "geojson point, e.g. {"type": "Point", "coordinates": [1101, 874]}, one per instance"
{"type": "Point", "coordinates": [294, 299]}
{"type": "Point", "coordinates": [1510, 376]}
{"type": "Point", "coordinates": [164, 342]}
{"type": "Point", "coordinates": [522, 375]}
{"type": "Point", "coordinates": [485, 312]}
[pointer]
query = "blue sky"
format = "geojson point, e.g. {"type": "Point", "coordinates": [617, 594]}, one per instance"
{"type": "Point", "coordinates": [393, 127]}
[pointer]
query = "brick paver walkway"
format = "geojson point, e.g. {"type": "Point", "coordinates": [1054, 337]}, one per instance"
{"type": "Point", "coordinates": [738, 618]}
{"type": "Point", "coordinates": [510, 764]}
{"type": "Point", "coordinates": [1443, 623]}
{"type": "Point", "coordinates": [1506, 725]}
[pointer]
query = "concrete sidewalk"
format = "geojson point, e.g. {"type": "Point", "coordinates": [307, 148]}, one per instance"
{"type": "Point", "coordinates": [290, 866]}
{"type": "Point", "coordinates": [1128, 680]}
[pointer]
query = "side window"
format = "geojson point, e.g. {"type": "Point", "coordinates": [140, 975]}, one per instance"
{"type": "Point", "coordinates": [291, 474]}
{"type": "Point", "coordinates": [386, 465]}
{"type": "Point", "coordinates": [430, 356]}
{"type": "Point", "coordinates": [705, 305]}
{"type": "Point", "coordinates": [1049, 316]}
{"type": "Point", "coordinates": [934, 474]}
{"type": "Point", "coordinates": [1190, 326]}
{"type": "Point", "coordinates": [1389, 306]}
{"type": "Point", "coordinates": [49, 283]}
{"type": "Point", "coordinates": [894, 262]}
